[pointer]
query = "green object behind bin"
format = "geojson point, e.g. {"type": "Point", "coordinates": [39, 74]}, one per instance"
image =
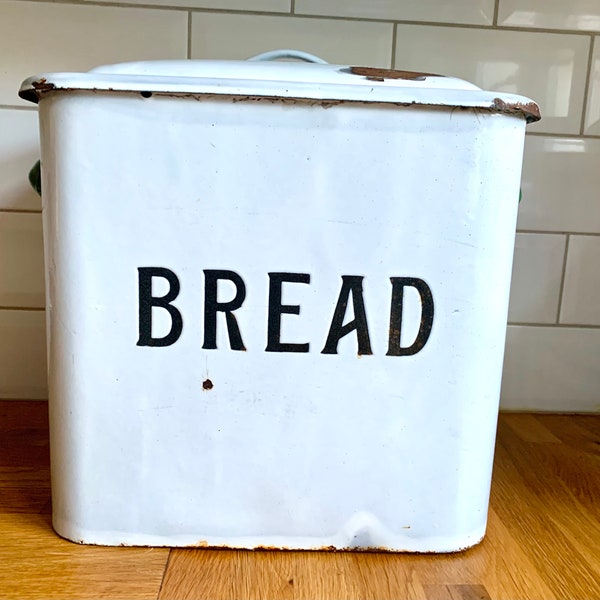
{"type": "Point", "coordinates": [35, 177]}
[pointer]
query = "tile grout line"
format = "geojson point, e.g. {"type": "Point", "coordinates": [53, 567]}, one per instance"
{"type": "Point", "coordinates": [18, 107]}
{"type": "Point", "coordinates": [189, 35]}
{"type": "Point", "coordinates": [20, 399]}
{"type": "Point", "coordinates": [548, 232]}
{"type": "Point", "coordinates": [448, 24]}
{"type": "Point", "coordinates": [561, 289]}
{"type": "Point", "coordinates": [554, 325]}
{"type": "Point", "coordinates": [586, 87]}
{"type": "Point", "coordinates": [21, 211]}
{"type": "Point", "coordinates": [509, 323]}
{"type": "Point", "coordinates": [292, 7]}
{"type": "Point", "coordinates": [547, 134]}
{"type": "Point", "coordinates": [394, 42]}
{"type": "Point", "coordinates": [496, 11]}
{"type": "Point", "coordinates": [177, 7]}
{"type": "Point", "coordinates": [585, 136]}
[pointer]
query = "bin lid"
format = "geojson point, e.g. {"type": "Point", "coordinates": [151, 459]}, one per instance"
{"type": "Point", "coordinates": [321, 82]}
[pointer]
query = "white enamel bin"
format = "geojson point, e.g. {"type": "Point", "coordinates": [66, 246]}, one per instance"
{"type": "Point", "coordinates": [277, 298]}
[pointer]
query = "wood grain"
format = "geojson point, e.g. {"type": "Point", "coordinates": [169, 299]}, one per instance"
{"type": "Point", "coordinates": [35, 563]}
{"type": "Point", "coordinates": [542, 543]}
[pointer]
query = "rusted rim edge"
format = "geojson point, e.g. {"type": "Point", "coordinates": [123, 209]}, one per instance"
{"type": "Point", "coordinates": [529, 110]}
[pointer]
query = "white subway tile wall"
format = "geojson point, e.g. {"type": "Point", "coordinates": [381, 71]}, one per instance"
{"type": "Point", "coordinates": [581, 295]}
{"type": "Point", "coordinates": [336, 41]}
{"type": "Point", "coordinates": [592, 114]}
{"type": "Point", "coordinates": [19, 143]}
{"type": "Point", "coordinates": [536, 300]}
{"type": "Point", "coordinates": [38, 37]}
{"type": "Point", "coordinates": [478, 12]}
{"type": "Point", "coordinates": [551, 368]}
{"type": "Point", "coordinates": [21, 260]}
{"type": "Point", "coordinates": [560, 185]}
{"type": "Point", "coordinates": [23, 354]}
{"type": "Point", "coordinates": [549, 67]}
{"type": "Point", "coordinates": [550, 14]}
{"type": "Point", "coordinates": [546, 50]}
{"type": "Point", "coordinates": [283, 6]}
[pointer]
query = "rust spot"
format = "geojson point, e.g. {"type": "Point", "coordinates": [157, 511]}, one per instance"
{"type": "Point", "coordinates": [331, 549]}
{"type": "Point", "coordinates": [530, 110]}
{"type": "Point", "coordinates": [267, 99]}
{"type": "Point", "coordinates": [42, 85]}
{"type": "Point", "coordinates": [207, 384]}
{"type": "Point", "coordinates": [328, 549]}
{"type": "Point", "coordinates": [39, 86]}
{"type": "Point", "coordinates": [374, 74]}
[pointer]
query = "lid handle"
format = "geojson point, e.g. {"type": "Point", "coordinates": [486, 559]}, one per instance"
{"type": "Point", "coordinates": [286, 53]}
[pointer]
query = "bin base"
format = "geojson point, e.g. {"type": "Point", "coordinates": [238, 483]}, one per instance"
{"type": "Point", "coordinates": [359, 541]}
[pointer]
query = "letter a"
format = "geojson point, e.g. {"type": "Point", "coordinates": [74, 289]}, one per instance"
{"type": "Point", "coordinates": [350, 283]}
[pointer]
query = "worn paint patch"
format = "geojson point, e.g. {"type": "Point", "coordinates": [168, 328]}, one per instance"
{"type": "Point", "coordinates": [530, 110]}
{"type": "Point", "coordinates": [376, 74]}
{"type": "Point", "coordinates": [39, 86]}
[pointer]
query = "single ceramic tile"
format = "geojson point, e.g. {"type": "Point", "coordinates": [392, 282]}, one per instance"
{"type": "Point", "coordinates": [581, 294]}
{"type": "Point", "coordinates": [21, 260]}
{"type": "Point", "coordinates": [550, 14]}
{"type": "Point", "coordinates": [46, 36]}
{"type": "Point", "coordinates": [23, 354]}
{"type": "Point", "coordinates": [549, 68]}
{"type": "Point", "coordinates": [560, 184]}
{"type": "Point", "coordinates": [19, 150]}
{"type": "Point", "coordinates": [536, 277]}
{"type": "Point", "coordinates": [551, 368]}
{"type": "Point", "coordinates": [592, 115]}
{"type": "Point", "coordinates": [247, 5]}
{"type": "Point", "coordinates": [241, 36]}
{"type": "Point", "coordinates": [477, 12]}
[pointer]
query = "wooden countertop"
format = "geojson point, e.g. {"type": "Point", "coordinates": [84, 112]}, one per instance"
{"type": "Point", "coordinates": [543, 539]}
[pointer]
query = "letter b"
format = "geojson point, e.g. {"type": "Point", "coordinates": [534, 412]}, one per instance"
{"type": "Point", "coordinates": [147, 301]}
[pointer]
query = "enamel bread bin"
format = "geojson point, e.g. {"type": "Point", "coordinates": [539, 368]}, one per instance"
{"type": "Point", "coordinates": [276, 297]}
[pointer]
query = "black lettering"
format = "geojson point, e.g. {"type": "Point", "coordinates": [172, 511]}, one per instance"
{"type": "Point", "coordinates": [212, 306]}
{"type": "Point", "coordinates": [146, 301]}
{"type": "Point", "coordinates": [276, 309]}
{"type": "Point", "coordinates": [350, 283]}
{"type": "Point", "coordinates": [398, 285]}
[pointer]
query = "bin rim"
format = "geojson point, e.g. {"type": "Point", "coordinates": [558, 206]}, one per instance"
{"type": "Point", "coordinates": [320, 83]}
